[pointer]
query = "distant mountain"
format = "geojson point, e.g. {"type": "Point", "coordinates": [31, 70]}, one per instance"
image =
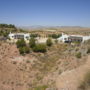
{"type": "Point", "coordinates": [36, 27]}
{"type": "Point", "coordinates": [33, 27]}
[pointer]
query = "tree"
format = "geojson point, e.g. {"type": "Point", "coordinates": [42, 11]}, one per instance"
{"type": "Point", "coordinates": [7, 26]}
{"type": "Point", "coordinates": [5, 34]}
{"type": "Point", "coordinates": [32, 42]}
{"type": "Point", "coordinates": [55, 36]}
{"type": "Point", "coordinates": [49, 42]}
{"type": "Point", "coordinates": [34, 35]}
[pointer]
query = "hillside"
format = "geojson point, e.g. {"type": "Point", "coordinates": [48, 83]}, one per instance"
{"type": "Point", "coordinates": [67, 29]}
{"type": "Point", "coordinates": [37, 70]}
{"type": "Point", "coordinates": [5, 29]}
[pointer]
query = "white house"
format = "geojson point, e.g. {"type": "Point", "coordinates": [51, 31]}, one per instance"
{"type": "Point", "coordinates": [72, 38]}
{"type": "Point", "coordinates": [16, 36]}
{"type": "Point", "coordinates": [63, 38]}
{"type": "Point", "coordinates": [86, 38]}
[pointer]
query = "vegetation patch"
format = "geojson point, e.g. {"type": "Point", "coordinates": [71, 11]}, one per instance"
{"type": "Point", "coordinates": [43, 87]}
{"type": "Point", "coordinates": [34, 35]}
{"type": "Point", "coordinates": [40, 48]}
{"type": "Point", "coordinates": [85, 84]}
{"type": "Point", "coordinates": [32, 42]}
{"type": "Point", "coordinates": [78, 55]}
{"type": "Point", "coordinates": [23, 48]}
{"type": "Point", "coordinates": [55, 36]}
{"type": "Point", "coordinates": [88, 51]}
{"type": "Point", "coordinates": [49, 42]}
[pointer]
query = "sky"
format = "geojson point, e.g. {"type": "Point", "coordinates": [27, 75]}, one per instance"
{"type": "Point", "coordinates": [45, 12]}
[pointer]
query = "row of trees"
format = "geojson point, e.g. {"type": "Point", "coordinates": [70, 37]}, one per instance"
{"type": "Point", "coordinates": [34, 35]}
{"type": "Point", "coordinates": [55, 36]}
{"type": "Point", "coordinates": [7, 26]}
{"type": "Point", "coordinates": [4, 33]}
{"type": "Point", "coordinates": [36, 47]}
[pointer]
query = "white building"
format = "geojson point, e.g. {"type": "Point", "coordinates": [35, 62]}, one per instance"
{"type": "Point", "coordinates": [63, 38]}
{"type": "Point", "coordinates": [16, 36]}
{"type": "Point", "coordinates": [71, 38]}
{"type": "Point", "coordinates": [86, 38]}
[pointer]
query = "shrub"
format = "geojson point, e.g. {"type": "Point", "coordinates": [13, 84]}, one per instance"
{"type": "Point", "coordinates": [78, 55]}
{"type": "Point", "coordinates": [24, 50]}
{"type": "Point", "coordinates": [22, 46]}
{"type": "Point", "coordinates": [44, 87]}
{"type": "Point", "coordinates": [32, 42]}
{"type": "Point", "coordinates": [88, 51]}
{"type": "Point", "coordinates": [21, 50]}
{"type": "Point", "coordinates": [49, 42]}
{"type": "Point", "coordinates": [82, 86]}
{"type": "Point", "coordinates": [34, 35]}
{"type": "Point", "coordinates": [77, 43]}
{"type": "Point", "coordinates": [87, 78]}
{"type": "Point", "coordinates": [40, 48]}
{"type": "Point", "coordinates": [20, 43]}
{"type": "Point", "coordinates": [85, 84]}
{"type": "Point", "coordinates": [56, 41]}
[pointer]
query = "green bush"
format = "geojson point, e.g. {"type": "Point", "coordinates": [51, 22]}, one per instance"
{"type": "Point", "coordinates": [21, 50]}
{"type": "Point", "coordinates": [78, 55]}
{"type": "Point", "coordinates": [32, 42]}
{"type": "Point", "coordinates": [24, 50]}
{"type": "Point", "coordinates": [44, 87]}
{"type": "Point", "coordinates": [20, 43]}
{"type": "Point", "coordinates": [40, 48]}
{"type": "Point", "coordinates": [56, 41]}
{"type": "Point", "coordinates": [82, 86]}
{"type": "Point", "coordinates": [87, 78]}
{"type": "Point", "coordinates": [34, 35]}
{"type": "Point", "coordinates": [77, 42]}
{"type": "Point", "coordinates": [49, 42]}
{"type": "Point", "coordinates": [22, 46]}
{"type": "Point", "coordinates": [85, 84]}
{"type": "Point", "coordinates": [88, 51]}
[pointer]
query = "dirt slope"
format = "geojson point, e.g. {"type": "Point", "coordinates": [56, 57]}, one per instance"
{"type": "Point", "coordinates": [19, 73]}
{"type": "Point", "coordinates": [14, 68]}
{"type": "Point", "coordinates": [70, 80]}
